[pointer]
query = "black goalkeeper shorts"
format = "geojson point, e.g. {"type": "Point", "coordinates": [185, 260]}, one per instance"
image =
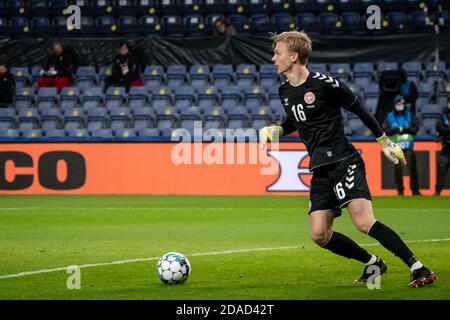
{"type": "Point", "coordinates": [334, 185]}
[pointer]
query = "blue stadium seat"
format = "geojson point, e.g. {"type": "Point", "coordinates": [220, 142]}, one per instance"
{"type": "Point", "coordinates": [31, 133]}
{"type": "Point", "coordinates": [184, 97]}
{"type": "Point", "coordinates": [50, 118]}
{"type": "Point", "coordinates": [413, 70]}
{"type": "Point", "coordinates": [254, 97]}
{"type": "Point", "coordinates": [341, 71]}
{"type": "Point", "coordinates": [188, 116]}
{"type": "Point", "coordinates": [309, 6]}
{"type": "Point", "coordinates": [125, 133]}
{"type": "Point", "coordinates": [127, 7]}
{"type": "Point", "coordinates": [431, 70]}
{"type": "Point", "coordinates": [104, 7]}
{"type": "Point", "coordinates": [129, 25]}
{"type": "Point", "coordinates": [18, 8]}
{"type": "Point", "coordinates": [171, 7]}
{"type": "Point", "coordinates": [214, 118]}
{"type": "Point", "coordinates": [41, 26]}
{"type": "Point", "coordinates": [384, 66]}
{"type": "Point", "coordinates": [349, 5]}
{"type": "Point", "coordinates": [59, 25]}
{"type": "Point", "coordinates": [371, 91]}
{"type": "Point", "coordinates": [137, 97]}
{"type": "Point", "coordinates": [89, 27]}
{"type": "Point", "coordinates": [307, 21]}
{"type": "Point", "coordinates": [222, 75]}
{"type": "Point", "coordinates": [86, 6]}
{"type": "Point", "coordinates": [199, 76]}
{"type": "Point", "coordinates": [260, 117]}
{"type": "Point", "coordinates": [214, 6]}
{"type": "Point", "coordinates": [181, 134]}
{"type": "Point", "coordinates": [152, 7]}
{"type": "Point", "coordinates": [77, 133]}
{"type": "Point", "coordinates": [35, 73]}
{"type": "Point", "coordinates": [115, 97]}
{"type": "Point", "coordinates": [318, 67]}
{"type": "Point", "coordinates": [85, 77]}
{"type": "Point", "coordinates": [231, 96]}
{"type": "Point", "coordinates": [103, 73]}
{"type": "Point", "coordinates": [107, 25]}
{"type": "Point", "coordinates": [330, 22]}
{"type": "Point", "coordinates": [47, 97]}
{"type": "Point", "coordinates": [261, 23]}
{"type": "Point", "coordinates": [5, 28]}
{"type": "Point", "coordinates": [154, 76]}
{"type": "Point", "coordinates": [20, 26]}
{"type": "Point", "coordinates": [40, 8]}
{"type": "Point", "coordinates": [7, 118]}
{"type": "Point", "coordinates": [193, 6]}
{"type": "Point", "coordinates": [161, 97]}
{"type": "Point", "coordinates": [28, 118]}
{"type": "Point", "coordinates": [283, 22]}
{"type": "Point", "coordinates": [207, 97]}
{"type": "Point", "coordinates": [353, 23]}
{"type": "Point", "coordinates": [143, 118]}
{"type": "Point", "coordinates": [279, 6]}
{"type": "Point", "coordinates": [268, 76]}
{"type": "Point", "coordinates": [399, 20]}
{"type": "Point", "coordinates": [69, 97]}
{"type": "Point", "coordinates": [97, 118]}
{"type": "Point", "coordinates": [150, 24]}
{"type": "Point", "coordinates": [173, 25]}
{"type": "Point", "coordinates": [237, 6]}
{"type": "Point", "coordinates": [120, 118]}
{"type": "Point", "coordinates": [21, 76]}
{"type": "Point", "coordinates": [245, 75]}
{"type": "Point", "coordinates": [195, 25]}
{"type": "Point", "coordinates": [237, 117]}
{"type": "Point", "coordinates": [55, 133]}
{"type": "Point", "coordinates": [102, 133]}
{"type": "Point", "coordinates": [240, 23]}
{"type": "Point", "coordinates": [92, 97]}
{"type": "Point", "coordinates": [149, 133]}
{"type": "Point", "coordinates": [257, 6]}
{"type": "Point", "coordinates": [418, 20]}
{"type": "Point", "coordinates": [327, 5]}
{"type": "Point", "coordinates": [58, 7]}
{"type": "Point", "coordinates": [176, 75]}
{"type": "Point", "coordinates": [166, 117]}
{"type": "Point", "coordinates": [24, 97]}
{"type": "Point", "coordinates": [74, 118]}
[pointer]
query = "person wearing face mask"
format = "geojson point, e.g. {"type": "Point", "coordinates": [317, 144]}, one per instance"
{"type": "Point", "coordinates": [125, 70]}
{"type": "Point", "coordinates": [7, 86]}
{"type": "Point", "coordinates": [58, 70]}
{"type": "Point", "coordinates": [443, 128]}
{"type": "Point", "coordinates": [401, 127]}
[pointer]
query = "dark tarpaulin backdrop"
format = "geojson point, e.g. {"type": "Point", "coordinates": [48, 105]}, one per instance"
{"type": "Point", "coordinates": [234, 50]}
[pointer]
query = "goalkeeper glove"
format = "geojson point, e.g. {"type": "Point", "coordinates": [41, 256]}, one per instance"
{"type": "Point", "coordinates": [391, 150]}
{"type": "Point", "coordinates": [268, 134]}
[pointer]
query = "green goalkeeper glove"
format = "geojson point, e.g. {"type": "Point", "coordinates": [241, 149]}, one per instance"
{"type": "Point", "coordinates": [268, 134]}
{"type": "Point", "coordinates": [391, 150]}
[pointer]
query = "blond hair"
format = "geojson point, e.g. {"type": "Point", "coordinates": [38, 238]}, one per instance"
{"type": "Point", "coordinates": [296, 42]}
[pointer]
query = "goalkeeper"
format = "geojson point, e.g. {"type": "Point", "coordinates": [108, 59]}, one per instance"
{"type": "Point", "coordinates": [312, 102]}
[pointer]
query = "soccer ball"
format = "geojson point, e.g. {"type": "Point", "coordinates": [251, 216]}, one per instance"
{"type": "Point", "coordinates": [173, 268]}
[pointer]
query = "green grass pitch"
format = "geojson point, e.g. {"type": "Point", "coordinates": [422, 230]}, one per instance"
{"type": "Point", "coordinates": [254, 247]}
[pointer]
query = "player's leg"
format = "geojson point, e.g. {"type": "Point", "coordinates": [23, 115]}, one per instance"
{"type": "Point", "coordinates": [321, 222]}
{"type": "Point", "coordinates": [398, 171]}
{"type": "Point", "coordinates": [361, 213]}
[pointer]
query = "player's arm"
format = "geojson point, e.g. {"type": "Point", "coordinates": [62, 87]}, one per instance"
{"type": "Point", "coordinates": [345, 97]}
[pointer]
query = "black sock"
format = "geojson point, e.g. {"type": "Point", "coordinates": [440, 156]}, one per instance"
{"type": "Point", "coordinates": [391, 241]}
{"type": "Point", "coordinates": [344, 246]}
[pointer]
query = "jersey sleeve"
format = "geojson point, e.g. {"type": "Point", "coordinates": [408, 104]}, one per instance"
{"type": "Point", "coordinates": [342, 96]}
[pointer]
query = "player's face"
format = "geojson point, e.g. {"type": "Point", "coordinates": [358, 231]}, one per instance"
{"type": "Point", "coordinates": [282, 58]}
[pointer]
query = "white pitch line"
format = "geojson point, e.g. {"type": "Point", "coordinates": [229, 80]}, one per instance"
{"type": "Point", "coordinates": [29, 273]}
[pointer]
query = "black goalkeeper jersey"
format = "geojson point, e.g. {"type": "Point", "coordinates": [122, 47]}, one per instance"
{"type": "Point", "coordinates": [314, 110]}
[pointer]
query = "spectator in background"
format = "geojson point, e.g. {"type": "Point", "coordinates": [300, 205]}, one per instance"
{"type": "Point", "coordinates": [443, 127]}
{"type": "Point", "coordinates": [223, 28]}
{"type": "Point", "coordinates": [125, 70]}
{"type": "Point", "coordinates": [59, 69]}
{"type": "Point", "coordinates": [7, 86]}
{"type": "Point", "coordinates": [408, 90]}
{"type": "Point", "coordinates": [401, 127]}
